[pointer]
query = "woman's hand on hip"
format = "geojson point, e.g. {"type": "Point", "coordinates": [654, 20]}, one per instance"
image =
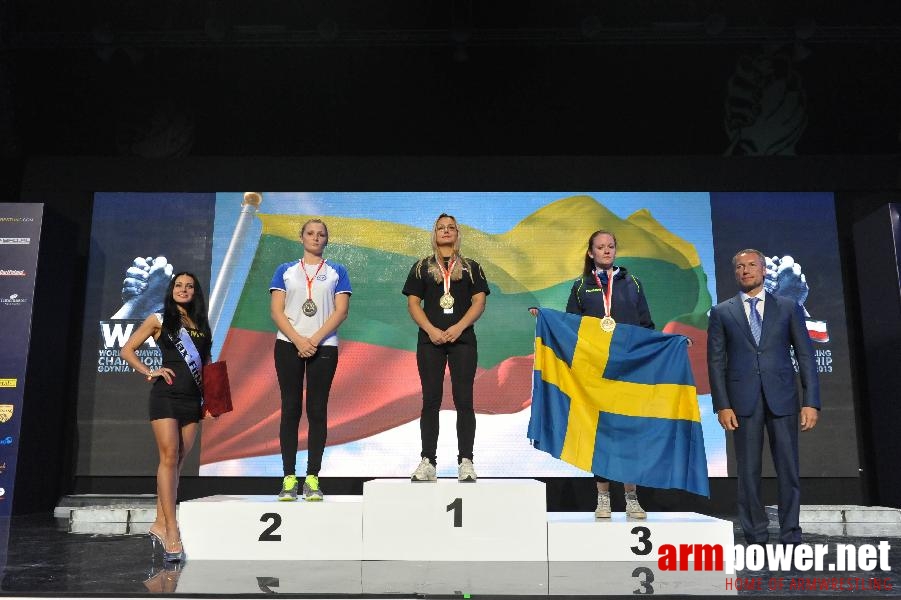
{"type": "Point", "coordinates": [166, 373]}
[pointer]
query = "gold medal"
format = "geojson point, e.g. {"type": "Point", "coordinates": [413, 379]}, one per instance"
{"type": "Point", "coordinates": [608, 324]}
{"type": "Point", "coordinates": [447, 301]}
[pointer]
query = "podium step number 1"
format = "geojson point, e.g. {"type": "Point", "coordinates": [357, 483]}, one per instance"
{"type": "Point", "coordinates": [450, 521]}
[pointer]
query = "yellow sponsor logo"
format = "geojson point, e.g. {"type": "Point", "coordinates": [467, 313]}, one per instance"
{"type": "Point", "coordinates": [6, 412]}
{"type": "Point", "coordinates": [7, 382]}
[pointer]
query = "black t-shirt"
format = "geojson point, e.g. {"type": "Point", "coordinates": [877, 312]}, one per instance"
{"type": "Point", "coordinates": [421, 283]}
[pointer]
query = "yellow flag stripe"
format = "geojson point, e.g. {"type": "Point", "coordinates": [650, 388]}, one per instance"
{"type": "Point", "coordinates": [661, 401]}
{"type": "Point", "coordinates": [513, 266]}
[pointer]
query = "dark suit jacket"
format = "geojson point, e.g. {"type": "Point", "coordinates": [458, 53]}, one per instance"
{"type": "Point", "coordinates": [739, 369]}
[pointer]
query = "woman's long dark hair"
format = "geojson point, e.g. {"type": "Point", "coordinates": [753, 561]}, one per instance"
{"type": "Point", "coordinates": [196, 309]}
{"type": "Point", "coordinates": [588, 269]}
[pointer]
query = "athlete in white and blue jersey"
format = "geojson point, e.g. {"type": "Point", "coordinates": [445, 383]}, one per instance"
{"type": "Point", "coordinates": [328, 280]}
{"type": "Point", "coordinates": [310, 298]}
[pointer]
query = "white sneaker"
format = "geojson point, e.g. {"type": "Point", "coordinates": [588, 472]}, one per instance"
{"type": "Point", "coordinates": [424, 472]}
{"type": "Point", "coordinates": [466, 473]}
{"type": "Point", "coordinates": [633, 508]}
{"type": "Point", "coordinates": [603, 509]}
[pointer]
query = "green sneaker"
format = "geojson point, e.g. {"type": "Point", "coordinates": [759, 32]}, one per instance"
{"type": "Point", "coordinates": [288, 492]}
{"type": "Point", "coordinates": [311, 491]}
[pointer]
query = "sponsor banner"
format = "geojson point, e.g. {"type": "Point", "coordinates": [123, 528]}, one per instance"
{"type": "Point", "coordinates": [13, 300]}
{"type": "Point", "coordinates": [20, 230]}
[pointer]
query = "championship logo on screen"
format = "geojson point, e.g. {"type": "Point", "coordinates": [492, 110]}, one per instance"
{"type": "Point", "coordinates": [15, 240]}
{"type": "Point", "coordinates": [6, 412]}
{"type": "Point", "coordinates": [12, 273]}
{"type": "Point", "coordinates": [13, 300]}
{"type": "Point", "coordinates": [142, 293]}
{"type": "Point", "coordinates": [8, 382]}
{"type": "Point", "coordinates": [785, 278]}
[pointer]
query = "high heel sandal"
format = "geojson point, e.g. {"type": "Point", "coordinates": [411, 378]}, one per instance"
{"type": "Point", "coordinates": [163, 580]}
{"type": "Point", "coordinates": [174, 556]}
{"type": "Point", "coordinates": [154, 538]}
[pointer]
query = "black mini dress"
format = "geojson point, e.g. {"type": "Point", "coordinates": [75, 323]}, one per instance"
{"type": "Point", "coordinates": [181, 400]}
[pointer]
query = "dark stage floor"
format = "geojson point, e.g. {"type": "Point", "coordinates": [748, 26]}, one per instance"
{"type": "Point", "coordinates": [43, 559]}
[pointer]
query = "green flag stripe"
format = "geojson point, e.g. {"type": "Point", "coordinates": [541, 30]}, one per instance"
{"type": "Point", "coordinates": [379, 314]}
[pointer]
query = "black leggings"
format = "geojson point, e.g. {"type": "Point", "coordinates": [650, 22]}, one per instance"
{"type": "Point", "coordinates": [462, 357]}
{"type": "Point", "coordinates": [320, 370]}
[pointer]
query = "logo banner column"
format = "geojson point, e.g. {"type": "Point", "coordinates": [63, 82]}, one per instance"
{"type": "Point", "coordinates": [20, 230]}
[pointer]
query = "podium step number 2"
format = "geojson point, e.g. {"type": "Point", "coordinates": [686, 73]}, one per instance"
{"type": "Point", "coordinates": [261, 528]}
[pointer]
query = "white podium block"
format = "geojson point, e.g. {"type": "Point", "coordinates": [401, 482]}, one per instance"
{"type": "Point", "coordinates": [232, 577]}
{"type": "Point", "coordinates": [579, 536]}
{"type": "Point", "coordinates": [632, 578]}
{"type": "Point", "coordinates": [492, 520]}
{"type": "Point", "coordinates": [262, 528]}
{"type": "Point", "coordinates": [455, 578]}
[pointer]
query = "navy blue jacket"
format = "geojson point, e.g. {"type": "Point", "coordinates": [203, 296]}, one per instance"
{"type": "Point", "coordinates": [739, 369]}
{"type": "Point", "coordinates": [629, 304]}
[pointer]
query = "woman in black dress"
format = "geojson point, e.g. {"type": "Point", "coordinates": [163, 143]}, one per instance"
{"type": "Point", "coordinates": [182, 333]}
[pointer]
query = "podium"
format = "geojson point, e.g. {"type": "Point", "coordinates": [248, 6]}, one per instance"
{"type": "Point", "coordinates": [233, 577]}
{"type": "Point", "coordinates": [458, 530]}
{"type": "Point", "coordinates": [455, 578]}
{"type": "Point", "coordinates": [576, 537]}
{"type": "Point", "coordinates": [261, 528]}
{"type": "Point", "coordinates": [631, 578]}
{"type": "Point", "coordinates": [492, 520]}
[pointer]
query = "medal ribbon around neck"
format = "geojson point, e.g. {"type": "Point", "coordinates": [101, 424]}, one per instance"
{"type": "Point", "coordinates": [310, 279]}
{"type": "Point", "coordinates": [608, 294]}
{"type": "Point", "coordinates": [446, 273]}
{"type": "Point", "coordinates": [447, 300]}
{"type": "Point", "coordinates": [607, 323]}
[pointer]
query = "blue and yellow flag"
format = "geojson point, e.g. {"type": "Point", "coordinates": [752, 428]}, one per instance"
{"type": "Point", "coordinates": [622, 405]}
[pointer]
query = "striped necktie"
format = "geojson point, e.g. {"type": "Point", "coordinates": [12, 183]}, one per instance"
{"type": "Point", "coordinates": [754, 319]}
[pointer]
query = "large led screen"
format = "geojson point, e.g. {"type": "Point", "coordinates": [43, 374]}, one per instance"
{"type": "Point", "coordinates": [531, 246]}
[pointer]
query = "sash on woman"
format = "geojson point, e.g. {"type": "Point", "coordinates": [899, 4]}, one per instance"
{"type": "Point", "coordinates": [211, 379]}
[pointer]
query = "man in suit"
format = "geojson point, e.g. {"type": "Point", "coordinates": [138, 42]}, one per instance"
{"type": "Point", "coordinates": [752, 381]}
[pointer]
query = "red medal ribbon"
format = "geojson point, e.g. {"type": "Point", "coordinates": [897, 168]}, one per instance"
{"type": "Point", "coordinates": [310, 279]}
{"type": "Point", "coordinates": [608, 295]}
{"type": "Point", "coordinates": [447, 273]}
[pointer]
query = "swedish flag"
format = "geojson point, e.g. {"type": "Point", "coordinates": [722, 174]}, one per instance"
{"type": "Point", "coordinates": [622, 405]}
